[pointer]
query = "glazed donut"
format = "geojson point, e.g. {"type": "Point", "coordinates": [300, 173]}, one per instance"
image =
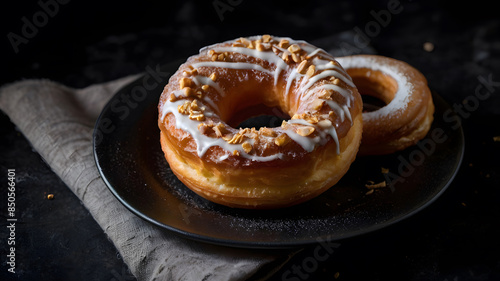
{"type": "Point", "coordinates": [408, 114]}
{"type": "Point", "coordinates": [267, 167]}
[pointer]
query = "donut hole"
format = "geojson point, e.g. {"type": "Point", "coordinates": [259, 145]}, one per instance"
{"type": "Point", "coordinates": [371, 103]}
{"type": "Point", "coordinates": [258, 116]}
{"type": "Point", "coordinates": [376, 88]}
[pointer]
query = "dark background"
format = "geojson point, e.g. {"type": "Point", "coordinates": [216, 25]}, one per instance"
{"type": "Point", "coordinates": [87, 42]}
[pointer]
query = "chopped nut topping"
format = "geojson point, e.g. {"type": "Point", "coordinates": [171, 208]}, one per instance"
{"type": "Point", "coordinates": [213, 76]}
{"type": "Point", "coordinates": [307, 117]}
{"type": "Point", "coordinates": [238, 44]}
{"type": "Point", "coordinates": [205, 87]}
{"type": "Point", "coordinates": [244, 131]}
{"type": "Point", "coordinates": [184, 108]}
{"type": "Point", "coordinates": [282, 140]}
{"type": "Point", "coordinates": [237, 138]}
{"type": "Point", "coordinates": [317, 104]}
{"type": "Point", "coordinates": [188, 92]}
{"type": "Point", "coordinates": [194, 105]}
{"type": "Point", "coordinates": [236, 153]}
{"type": "Point", "coordinates": [302, 68]}
{"type": "Point", "coordinates": [311, 70]}
{"type": "Point", "coordinates": [295, 57]}
{"type": "Point", "coordinates": [325, 123]}
{"type": "Point", "coordinates": [220, 130]}
{"type": "Point", "coordinates": [336, 81]}
{"type": "Point", "coordinates": [198, 117]}
{"type": "Point", "coordinates": [326, 94]}
{"type": "Point", "coordinates": [267, 132]}
{"type": "Point", "coordinates": [195, 112]}
{"type": "Point", "coordinates": [283, 43]}
{"type": "Point", "coordinates": [266, 38]}
{"type": "Point", "coordinates": [247, 43]}
{"type": "Point", "coordinates": [247, 147]}
{"type": "Point", "coordinates": [190, 72]}
{"type": "Point", "coordinates": [294, 48]}
{"type": "Point", "coordinates": [312, 119]}
{"type": "Point", "coordinates": [305, 131]}
{"type": "Point", "coordinates": [185, 82]}
{"type": "Point", "coordinates": [203, 128]}
{"type": "Point", "coordinates": [285, 57]}
{"type": "Point", "coordinates": [262, 47]}
{"type": "Point", "coordinates": [172, 97]}
{"type": "Point", "coordinates": [211, 52]}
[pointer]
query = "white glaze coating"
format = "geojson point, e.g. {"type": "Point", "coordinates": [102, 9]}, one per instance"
{"type": "Point", "coordinates": [401, 98]}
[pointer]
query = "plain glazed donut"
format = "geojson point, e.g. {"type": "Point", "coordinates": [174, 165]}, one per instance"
{"type": "Point", "coordinates": [408, 114]}
{"type": "Point", "coordinates": [266, 167]}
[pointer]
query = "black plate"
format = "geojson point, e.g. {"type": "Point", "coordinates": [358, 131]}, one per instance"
{"type": "Point", "coordinates": [129, 158]}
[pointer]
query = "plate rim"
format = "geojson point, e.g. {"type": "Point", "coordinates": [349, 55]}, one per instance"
{"type": "Point", "coordinates": [263, 244]}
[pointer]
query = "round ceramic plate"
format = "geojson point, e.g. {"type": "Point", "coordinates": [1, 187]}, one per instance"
{"type": "Point", "coordinates": [129, 157]}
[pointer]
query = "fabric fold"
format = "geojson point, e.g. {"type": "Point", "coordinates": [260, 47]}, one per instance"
{"type": "Point", "coordinates": [59, 122]}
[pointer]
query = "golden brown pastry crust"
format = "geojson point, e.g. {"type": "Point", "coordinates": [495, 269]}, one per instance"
{"type": "Point", "coordinates": [268, 167]}
{"type": "Point", "coordinates": [408, 115]}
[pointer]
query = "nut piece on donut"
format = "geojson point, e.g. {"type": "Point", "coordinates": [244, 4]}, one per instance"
{"type": "Point", "coordinates": [408, 114]}
{"type": "Point", "coordinates": [268, 167]}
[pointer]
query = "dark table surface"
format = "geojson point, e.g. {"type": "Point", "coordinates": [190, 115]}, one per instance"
{"type": "Point", "coordinates": [79, 43]}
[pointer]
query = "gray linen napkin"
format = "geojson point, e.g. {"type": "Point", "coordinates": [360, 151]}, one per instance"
{"type": "Point", "coordinates": [59, 122]}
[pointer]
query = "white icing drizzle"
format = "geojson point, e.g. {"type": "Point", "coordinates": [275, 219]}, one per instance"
{"type": "Point", "coordinates": [267, 56]}
{"type": "Point", "coordinates": [315, 52]}
{"type": "Point", "coordinates": [337, 109]}
{"type": "Point", "coordinates": [293, 75]}
{"type": "Point", "coordinates": [312, 142]}
{"type": "Point", "coordinates": [306, 89]}
{"type": "Point", "coordinates": [299, 121]}
{"type": "Point", "coordinates": [324, 74]}
{"type": "Point", "coordinates": [347, 113]}
{"type": "Point", "coordinates": [180, 94]}
{"type": "Point", "coordinates": [345, 93]}
{"type": "Point", "coordinates": [203, 142]}
{"type": "Point", "coordinates": [333, 133]}
{"type": "Point", "coordinates": [203, 80]}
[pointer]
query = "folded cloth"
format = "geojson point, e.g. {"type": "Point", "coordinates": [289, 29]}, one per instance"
{"type": "Point", "coordinates": [59, 122]}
